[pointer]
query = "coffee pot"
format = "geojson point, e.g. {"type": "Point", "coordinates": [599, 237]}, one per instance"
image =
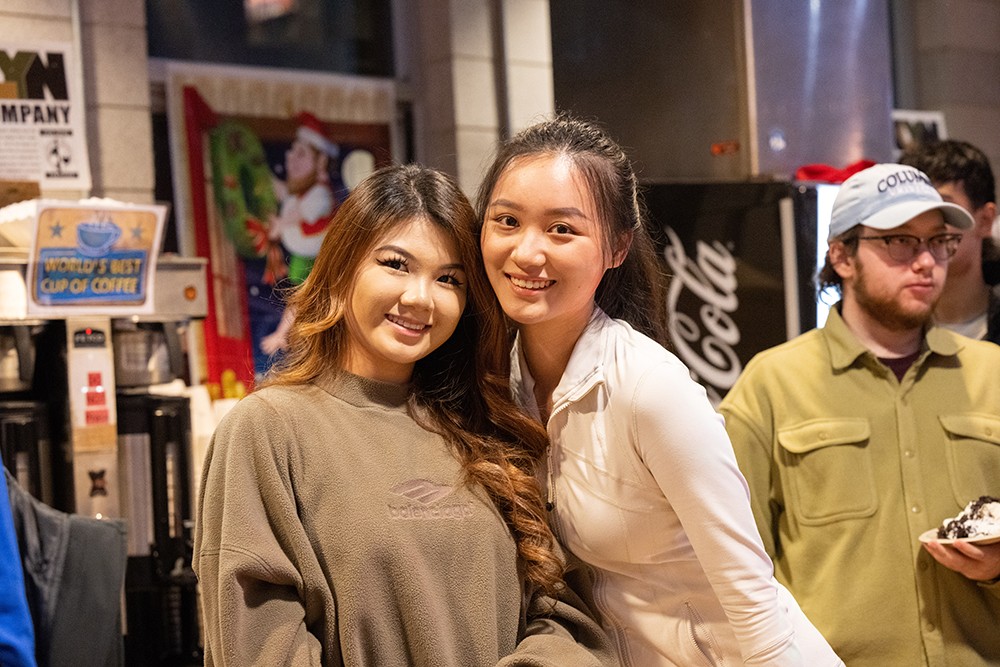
{"type": "Point", "coordinates": [147, 352]}
{"type": "Point", "coordinates": [17, 357]}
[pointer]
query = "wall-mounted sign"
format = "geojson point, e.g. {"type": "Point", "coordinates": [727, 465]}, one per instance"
{"type": "Point", "coordinates": [93, 256]}
{"type": "Point", "coordinates": [42, 127]}
{"type": "Point", "coordinates": [914, 128]}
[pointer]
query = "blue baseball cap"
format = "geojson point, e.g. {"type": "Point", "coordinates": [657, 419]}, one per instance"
{"type": "Point", "coordinates": [885, 196]}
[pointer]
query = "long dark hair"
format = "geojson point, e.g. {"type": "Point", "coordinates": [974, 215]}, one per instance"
{"type": "Point", "coordinates": [461, 390]}
{"type": "Point", "coordinates": [634, 291]}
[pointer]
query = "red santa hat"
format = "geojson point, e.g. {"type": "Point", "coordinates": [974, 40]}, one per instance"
{"type": "Point", "coordinates": [312, 132]}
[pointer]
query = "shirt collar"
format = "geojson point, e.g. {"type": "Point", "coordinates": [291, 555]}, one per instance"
{"type": "Point", "coordinates": [583, 371]}
{"type": "Point", "coordinates": [845, 347]}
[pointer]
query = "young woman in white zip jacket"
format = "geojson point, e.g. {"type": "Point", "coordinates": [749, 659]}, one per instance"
{"type": "Point", "coordinates": [642, 482]}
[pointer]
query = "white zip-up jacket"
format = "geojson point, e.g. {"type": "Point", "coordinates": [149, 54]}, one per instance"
{"type": "Point", "coordinates": [645, 490]}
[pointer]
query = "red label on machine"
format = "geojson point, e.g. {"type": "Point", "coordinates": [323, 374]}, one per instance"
{"type": "Point", "coordinates": [97, 417]}
{"type": "Point", "coordinates": [96, 398]}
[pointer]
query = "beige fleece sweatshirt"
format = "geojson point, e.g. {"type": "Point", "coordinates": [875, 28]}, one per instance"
{"type": "Point", "coordinates": [334, 530]}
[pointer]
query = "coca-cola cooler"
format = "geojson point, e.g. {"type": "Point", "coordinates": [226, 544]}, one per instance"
{"type": "Point", "coordinates": [741, 259]}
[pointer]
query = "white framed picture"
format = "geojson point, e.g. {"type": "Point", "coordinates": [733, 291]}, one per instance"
{"type": "Point", "coordinates": [912, 128]}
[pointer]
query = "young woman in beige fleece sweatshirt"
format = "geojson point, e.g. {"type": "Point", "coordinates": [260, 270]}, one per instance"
{"type": "Point", "coordinates": [375, 502]}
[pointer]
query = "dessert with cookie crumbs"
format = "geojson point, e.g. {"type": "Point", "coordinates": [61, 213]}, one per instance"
{"type": "Point", "coordinates": [980, 518]}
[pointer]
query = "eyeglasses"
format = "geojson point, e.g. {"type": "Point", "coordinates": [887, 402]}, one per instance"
{"type": "Point", "coordinates": [905, 247]}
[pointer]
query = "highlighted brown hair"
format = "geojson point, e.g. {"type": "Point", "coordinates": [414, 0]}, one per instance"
{"type": "Point", "coordinates": [461, 390]}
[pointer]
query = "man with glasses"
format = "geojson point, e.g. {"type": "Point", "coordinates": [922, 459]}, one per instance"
{"type": "Point", "coordinates": [859, 437]}
{"type": "Point", "coordinates": [962, 175]}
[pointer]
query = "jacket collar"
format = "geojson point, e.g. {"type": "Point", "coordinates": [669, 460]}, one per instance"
{"type": "Point", "coordinates": [584, 371]}
{"type": "Point", "coordinates": [845, 348]}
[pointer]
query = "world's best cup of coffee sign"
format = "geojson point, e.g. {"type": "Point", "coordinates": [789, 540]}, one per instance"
{"type": "Point", "coordinates": [89, 259]}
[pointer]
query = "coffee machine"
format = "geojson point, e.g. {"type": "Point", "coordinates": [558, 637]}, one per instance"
{"type": "Point", "coordinates": [157, 489]}
{"type": "Point", "coordinates": [85, 430]}
{"type": "Point", "coordinates": [154, 440]}
{"type": "Point", "coordinates": [24, 432]}
{"type": "Point", "coordinates": [154, 450]}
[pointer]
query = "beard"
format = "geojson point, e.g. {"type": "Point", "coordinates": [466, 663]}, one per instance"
{"type": "Point", "coordinates": [886, 307]}
{"type": "Point", "coordinates": [297, 186]}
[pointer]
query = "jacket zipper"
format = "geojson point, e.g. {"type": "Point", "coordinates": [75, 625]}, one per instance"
{"type": "Point", "coordinates": [550, 504]}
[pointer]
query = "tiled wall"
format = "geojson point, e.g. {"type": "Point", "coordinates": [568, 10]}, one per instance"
{"type": "Point", "coordinates": [954, 48]}
{"type": "Point", "coordinates": [116, 80]}
{"type": "Point", "coordinates": [471, 82]}
{"type": "Point", "coordinates": [449, 68]}
{"type": "Point", "coordinates": [528, 47]}
{"type": "Point", "coordinates": [463, 101]}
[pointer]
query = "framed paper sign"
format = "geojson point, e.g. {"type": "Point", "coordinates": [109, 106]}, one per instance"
{"type": "Point", "coordinates": [913, 128]}
{"type": "Point", "coordinates": [42, 127]}
{"type": "Point", "coordinates": [92, 256]}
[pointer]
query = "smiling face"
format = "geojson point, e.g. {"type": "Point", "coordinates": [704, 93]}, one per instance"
{"type": "Point", "coordinates": [900, 296]}
{"type": "Point", "coordinates": [408, 295]}
{"type": "Point", "coordinates": [543, 245]}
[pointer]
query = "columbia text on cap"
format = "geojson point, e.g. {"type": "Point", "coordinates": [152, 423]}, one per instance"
{"type": "Point", "coordinates": [886, 196]}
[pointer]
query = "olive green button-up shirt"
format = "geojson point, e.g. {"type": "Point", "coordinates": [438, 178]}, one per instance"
{"type": "Point", "coordinates": [848, 466]}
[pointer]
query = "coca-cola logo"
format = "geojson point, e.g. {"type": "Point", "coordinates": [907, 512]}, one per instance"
{"type": "Point", "coordinates": [704, 344]}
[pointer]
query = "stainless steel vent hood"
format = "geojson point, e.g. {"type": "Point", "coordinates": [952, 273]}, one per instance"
{"type": "Point", "coordinates": [728, 89]}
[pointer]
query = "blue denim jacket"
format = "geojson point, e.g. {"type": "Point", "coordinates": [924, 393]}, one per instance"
{"type": "Point", "coordinates": [74, 571]}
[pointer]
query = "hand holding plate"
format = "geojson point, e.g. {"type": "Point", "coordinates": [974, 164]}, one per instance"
{"type": "Point", "coordinates": [980, 562]}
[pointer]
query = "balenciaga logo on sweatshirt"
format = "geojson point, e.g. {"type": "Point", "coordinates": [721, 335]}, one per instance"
{"type": "Point", "coordinates": [426, 497]}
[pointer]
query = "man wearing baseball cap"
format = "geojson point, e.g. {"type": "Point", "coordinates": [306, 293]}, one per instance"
{"type": "Point", "coordinates": [858, 438]}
